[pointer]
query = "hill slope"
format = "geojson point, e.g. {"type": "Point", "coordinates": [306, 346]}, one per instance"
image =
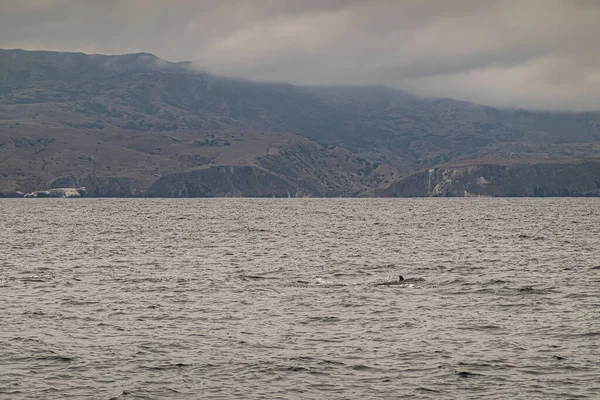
{"type": "Point", "coordinates": [136, 124]}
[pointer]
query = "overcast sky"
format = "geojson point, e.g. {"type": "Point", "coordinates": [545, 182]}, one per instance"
{"type": "Point", "coordinates": [542, 54]}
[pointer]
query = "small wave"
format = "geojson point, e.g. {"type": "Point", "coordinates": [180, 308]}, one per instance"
{"type": "Point", "coordinates": [471, 364]}
{"type": "Point", "coordinates": [298, 283]}
{"type": "Point", "coordinates": [327, 319]}
{"type": "Point", "coordinates": [79, 303]}
{"type": "Point", "coordinates": [57, 357]}
{"type": "Point", "coordinates": [361, 367]}
{"type": "Point", "coordinates": [467, 374]}
{"type": "Point", "coordinates": [427, 390]}
{"type": "Point", "coordinates": [330, 362]}
{"type": "Point", "coordinates": [33, 279]}
{"type": "Point", "coordinates": [35, 313]}
{"type": "Point", "coordinates": [168, 366]}
{"type": "Point", "coordinates": [496, 282]}
{"type": "Point", "coordinates": [255, 277]}
{"type": "Point", "coordinates": [479, 327]}
{"type": "Point", "coordinates": [525, 236]}
{"type": "Point", "coordinates": [24, 340]}
{"type": "Point", "coordinates": [534, 290]}
{"type": "Point", "coordinates": [586, 335]}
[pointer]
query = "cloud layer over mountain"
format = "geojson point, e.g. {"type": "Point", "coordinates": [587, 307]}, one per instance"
{"type": "Point", "coordinates": [542, 54]}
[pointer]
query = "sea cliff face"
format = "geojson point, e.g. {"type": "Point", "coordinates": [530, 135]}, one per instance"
{"type": "Point", "coordinates": [567, 179]}
{"type": "Point", "coordinates": [300, 170]}
{"type": "Point", "coordinates": [226, 181]}
{"type": "Point", "coordinates": [495, 180]}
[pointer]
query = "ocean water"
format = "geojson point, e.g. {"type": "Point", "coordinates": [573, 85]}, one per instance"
{"type": "Point", "coordinates": [282, 298]}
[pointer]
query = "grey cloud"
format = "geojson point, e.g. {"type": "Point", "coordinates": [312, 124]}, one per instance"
{"type": "Point", "coordinates": [540, 54]}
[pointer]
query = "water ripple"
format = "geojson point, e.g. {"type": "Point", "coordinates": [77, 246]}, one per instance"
{"type": "Point", "coordinates": [299, 298]}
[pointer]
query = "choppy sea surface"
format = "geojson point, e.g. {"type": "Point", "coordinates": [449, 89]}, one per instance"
{"type": "Point", "coordinates": [290, 298]}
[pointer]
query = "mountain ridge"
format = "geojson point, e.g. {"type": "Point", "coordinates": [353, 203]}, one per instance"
{"type": "Point", "coordinates": [139, 118]}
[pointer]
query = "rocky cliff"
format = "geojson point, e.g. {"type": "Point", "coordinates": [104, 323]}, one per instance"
{"type": "Point", "coordinates": [241, 181]}
{"type": "Point", "coordinates": [65, 192]}
{"type": "Point", "coordinates": [102, 186]}
{"type": "Point", "coordinates": [299, 170]}
{"type": "Point", "coordinates": [513, 180]}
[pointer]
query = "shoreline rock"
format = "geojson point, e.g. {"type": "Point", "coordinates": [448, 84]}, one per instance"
{"type": "Point", "coordinates": [58, 193]}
